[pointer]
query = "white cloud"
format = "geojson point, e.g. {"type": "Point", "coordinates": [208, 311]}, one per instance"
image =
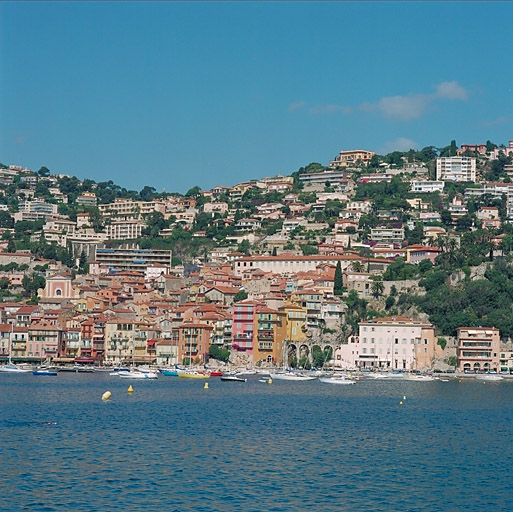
{"type": "Point", "coordinates": [399, 144]}
{"type": "Point", "coordinates": [413, 106]}
{"type": "Point", "coordinates": [329, 109]}
{"type": "Point", "coordinates": [297, 105]}
{"type": "Point", "coordinates": [451, 91]}
{"type": "Point", "coordinates": [494, 122]}
{"type": "Point", "coordinates": [403, 108]}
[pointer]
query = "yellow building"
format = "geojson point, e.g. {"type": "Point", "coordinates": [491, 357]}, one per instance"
{"type": "Point", "coordinates": [268, 336]}
{"type": "Point", "coordinates": [351, 157]}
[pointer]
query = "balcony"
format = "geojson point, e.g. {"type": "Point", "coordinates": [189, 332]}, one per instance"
{"type": "Point", "coordinates": [265, 335]}
{"type": "Point", "coordinates": [475, 355]}
{"type": "Point", "coordinates": [265, 345]}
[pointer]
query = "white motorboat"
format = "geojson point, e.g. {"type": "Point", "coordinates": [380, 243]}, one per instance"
{"type": "Point", "coordinates": [493, 377]}
{"type": "Point", "coordinates": [136, 374]}
{"type": "Point", "coordinates": [388, 375]}
{"type": "Point", "coordinates": [420, 378]}
{"type": "Point", "coordinates": [297, 377]}
{"type": "Point", "coordinates": [12, 368]}
{"type": "Point", "coordinates": [339, 379]}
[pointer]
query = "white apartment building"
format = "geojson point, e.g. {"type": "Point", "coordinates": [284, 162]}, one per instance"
{"type": "Point", "coordinates": [125, 209]}
{"type": "Point", "coordinates": [393, 235]}
{"type": "Point", "coordinates": [124, 230]}
{"type": "Point", "coordinates": [456, 168]}
{"type": "Point", "coordinates": [396, 343]}
{"type": "Point", "coordinates": [497, 190]}
{"type": "Point", "coordinates": [320, 178]}
{"type": "Point", "coordinates": [427, 186]}
{"type": "Point", "coordinates": [287, 264]}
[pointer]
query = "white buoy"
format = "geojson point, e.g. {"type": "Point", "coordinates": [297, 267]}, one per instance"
{"type": "Point", "coordinates": [106, 396]}
{"type": "Point", "coordinates": [404, 397]}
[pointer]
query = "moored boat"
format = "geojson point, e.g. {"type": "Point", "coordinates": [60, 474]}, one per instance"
{"type": "Point", "coordinates": [45, 371]}
{"type": "Point", "coordinates": [233, 378]}
{"type": "Point", "coordinates": [168, 372]}
{"type": "Point", "coordinates": [420, 378]}
{"type": "Point", "coordinates": [337, 379]}
{"type": "Point", "coordinates": [137, 374]}
{"type": "Point", "coordinates": [193, 375]}
{"type": "Point", "coordinates": [12, 368]}
{"type": "Point", "coordinates": [297, 377]}
{"type": "Point", "coordinates": [493, 377]}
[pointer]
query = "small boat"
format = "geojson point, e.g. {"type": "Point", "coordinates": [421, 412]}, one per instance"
{"type": "Point", "coordinates": [45, 371]}
{"type": "Point", "coordinates": [493, 377]}
{"type": "Point", "coordinates": [389, 375]}
{"type": "Point", "coordinates": [297, 377]}
{"type": "Point", "coordinates": [117, 371]}
{"type": "Point", "coordinates": [169, 373]}
{"type": "Point", "coordinates": [12, 368]}
{"type": "Point", "coordinates": [339, 379]}
{"type": "Point", "coordinates": [420, 378]}
{"type": "Point", "coordinates": [216, 374]}
{"type": "Point", "coordinates": [76, 369]}
{"type": "Point", "coordinates": [233, 378]}
{"type": "Point", "coordinates": [193, 375]}
{"type": "Point", "coordinates": [136, 374]}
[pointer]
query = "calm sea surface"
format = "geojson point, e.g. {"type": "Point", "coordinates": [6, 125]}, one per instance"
{"type": "Point", "coordinates": [173, 446]}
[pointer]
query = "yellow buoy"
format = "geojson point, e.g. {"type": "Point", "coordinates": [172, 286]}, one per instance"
{"type": "Point", "coordinates": [130, 389]}
{"type": "Point", "coordinates": [270, 381]}
{"type": "Point", "coordinates": [106, 396]}
{"type": "Point", "coordinates": [205, 386]}
{"type": "Point", "coordinates": [401, 403]}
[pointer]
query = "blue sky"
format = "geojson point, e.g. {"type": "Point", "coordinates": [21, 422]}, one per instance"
{"type": "Point", "coordinates": [172, 94]}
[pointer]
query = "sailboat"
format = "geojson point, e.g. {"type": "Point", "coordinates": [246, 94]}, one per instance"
{"type": "Point", "coordinates": [10, 367]}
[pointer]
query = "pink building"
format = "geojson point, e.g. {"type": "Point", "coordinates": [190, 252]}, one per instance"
{"type": "Point", "coordinates": [417, 252]}
{"type": "Point", "coordinates": [243, 317]}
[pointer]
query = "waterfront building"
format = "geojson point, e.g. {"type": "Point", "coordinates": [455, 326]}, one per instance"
{"type": "Point", "coordinates": [395, 343]}
{"type": "Point", "coordinates": [193, 342]}
{"type": "Point", "coordinates": [479, 349]}
{"type": "Point", "coordinates": [269, 332]}
{"type": "Point", "coordinates": [243, 321]}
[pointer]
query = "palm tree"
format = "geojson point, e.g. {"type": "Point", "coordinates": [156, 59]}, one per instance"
{"type": "Point", "coordinates": [377, 289]}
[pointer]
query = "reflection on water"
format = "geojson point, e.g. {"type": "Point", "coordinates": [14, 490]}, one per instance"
{"type": "Point", "coordinates": [172, 445]}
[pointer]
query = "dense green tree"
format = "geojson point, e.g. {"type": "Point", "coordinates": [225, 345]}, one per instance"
{"type": "Point", "coordinates": [147, 193]}
{"type": "Point", "coordinates": [244, 247]}
{"type": "Point", "coordinates": [193, 192]}
{"type": "Point", "coordinates": [337, 281]}
{"type": "Point", "coordinates": [219, 353]}
{"type": "Point", "coordinates": [240, 295]}
{"type": "Point", "coordinates": [490, 146]}
{"type": "Point", "coordinates": [6, 221]}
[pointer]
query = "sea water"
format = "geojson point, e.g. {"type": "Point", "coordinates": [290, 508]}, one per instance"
{"type": "Point", "coordinates": [172, 445]}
